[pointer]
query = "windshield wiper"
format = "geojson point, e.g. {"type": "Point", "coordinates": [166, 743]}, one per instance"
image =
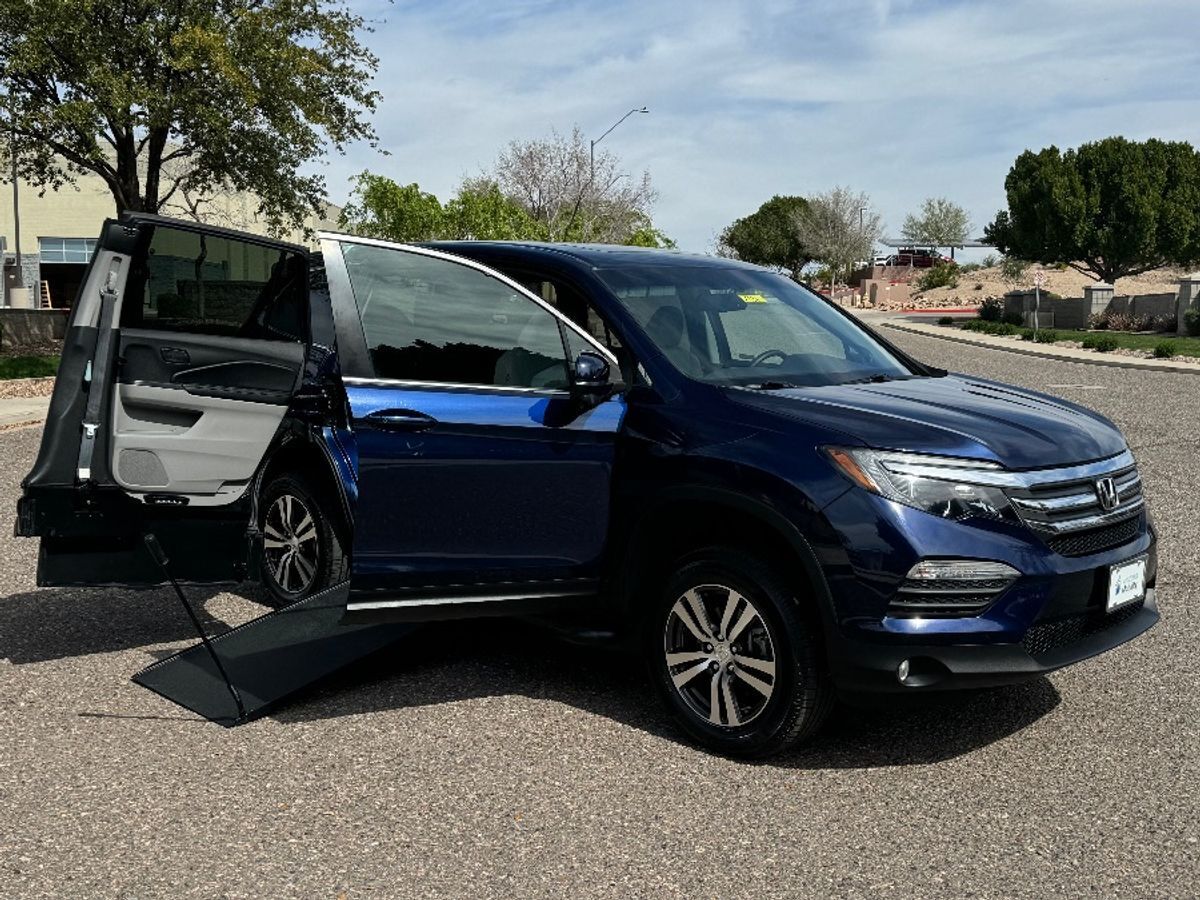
{"type": "Point", "coordinates": [877, 378]}
{"type": "Point", "coordinates": [775, 385]}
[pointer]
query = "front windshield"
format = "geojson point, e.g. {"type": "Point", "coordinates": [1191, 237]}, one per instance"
{"type": "Point", "coordinates": [734, 326]}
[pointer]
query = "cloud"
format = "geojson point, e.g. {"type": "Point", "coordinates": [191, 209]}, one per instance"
{"type": "Point", "coordinates": [902, 100]}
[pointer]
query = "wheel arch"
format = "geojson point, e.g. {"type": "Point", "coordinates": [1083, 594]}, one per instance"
{"type": "Point", "coordinates": [680, 517]}
{"type": "Point", "coordinates": [307, 452]}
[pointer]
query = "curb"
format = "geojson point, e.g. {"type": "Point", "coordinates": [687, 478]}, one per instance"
{"type": "Point", "coordinates": [1119, 362]}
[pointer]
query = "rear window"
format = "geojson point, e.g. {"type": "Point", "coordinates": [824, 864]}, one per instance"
{"type": "Point", "coordinates": [187, 281]}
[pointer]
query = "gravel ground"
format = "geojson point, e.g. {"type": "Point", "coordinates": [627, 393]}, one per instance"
{"type": "Point", "coordinates": [482, 761]}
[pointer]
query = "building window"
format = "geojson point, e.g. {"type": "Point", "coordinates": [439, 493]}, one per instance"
{"type": "Point", "coordinates": [66, 250]}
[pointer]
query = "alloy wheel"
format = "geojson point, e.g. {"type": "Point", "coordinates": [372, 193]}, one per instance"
{"type": "Point", "coordinates": [720, 655]}
{"type": "Point", "coordinates": [291, 545]}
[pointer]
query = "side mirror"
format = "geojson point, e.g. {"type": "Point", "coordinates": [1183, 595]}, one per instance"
{"type": "Point", "coordinates": [590, 377]}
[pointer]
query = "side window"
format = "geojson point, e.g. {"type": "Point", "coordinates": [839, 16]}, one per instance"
{"type": "Point", "coordinates": [200, 283]}
{"type": "Point", "coordinates": [574, 306]}
{"type": "Point", "coordinates": [432, 319]}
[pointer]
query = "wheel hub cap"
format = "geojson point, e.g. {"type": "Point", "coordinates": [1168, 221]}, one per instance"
{"type": "Point", "coordinates": [720, 655]}
{"type": "Point", "coordinates": [290, 544]}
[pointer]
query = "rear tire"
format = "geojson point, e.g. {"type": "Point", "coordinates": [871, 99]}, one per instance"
{"type": "Point", "coordinates": [735, 656]}
{"type": "Point", "coordinates": [301, 553]}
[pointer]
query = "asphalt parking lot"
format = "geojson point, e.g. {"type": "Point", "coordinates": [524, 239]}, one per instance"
{"type": "Point", "coordinates": [488, 761]}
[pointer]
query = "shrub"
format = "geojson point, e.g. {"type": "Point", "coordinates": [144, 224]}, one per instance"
{"type": "Point", "coordinates": [1048, 336]}
{"type": "Point", "coordinates": [1098, 321]}
{"type": "Point", "coordinates": [1013, 318]}
{"type": "Point", "coordinates": [989, 261]}
{"type": "Point", "coordinates": [991, 309]}
{"type": "Point", "coordinates": [941, 275]}
{"type": "Point", "coordinates": [1163, 323]}
{"type": "Point", "coordinates": [979, 285]}
{"type": "Point", "coordinates": [1100, 343]}
{"type": "Point", "coordinates": [988, 327]}
{"type": "Point", "coordinates": [1027, 334]}
{"type": "Point", "coordinates": [1191, 322]}
{"type": "Point", "coordinates": [1164, 349]}
{"type": "Point", "coordinates": [946, 320]}
{"type": "Point", "coordinates": [1013, 269]}
{"type": "Point", "coordinates": [969, 267]}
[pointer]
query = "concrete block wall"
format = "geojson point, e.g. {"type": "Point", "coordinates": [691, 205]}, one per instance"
{"type": "Point", "coordinates": [31, 327]}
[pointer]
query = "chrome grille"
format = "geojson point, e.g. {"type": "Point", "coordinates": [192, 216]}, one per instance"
{"type": "Point", "coordinates": [1058, 504]}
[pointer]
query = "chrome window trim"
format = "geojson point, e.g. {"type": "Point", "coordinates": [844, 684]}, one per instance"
{"type": "Point", "coordinates": [454, 385]}
{"type": "Point", "coordinates": [479, 267]}
{"type": "Point", "coordinates": [970, 471]}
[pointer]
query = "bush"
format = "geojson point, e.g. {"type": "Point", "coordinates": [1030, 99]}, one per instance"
{"type": "Point", "coordinates": [1013, 269]}
{"type": "Point", "coordinates": [1013, 318]}
{"type": "Point", "coordinates": [991, 309]}
{"type": "Point", "coordinates": [1027, 334]}
{"type": "Point", "coordinates": [1164, 349]}
{"type": "Point", "coordinates": [1048, 336]}
{"type": "Point", "coordinates": [989, 261]}
{"type": "Point", "coordinates": [979, 285]}
{"type": "Point", "coordinates": [1098, 321]}
{"type": "Point", "coordinates": [1110, 321]}
{"type": "Point", "coordinates": [946, 320]}
{"type": "Point", "coordinates": [1191, 322]}
{"type": "Point", "coordinates": [989, 327]}
{"type": "Point", "coordinates": [941, 275]}
{"type": "Point", "coordinates": [1100, 343]}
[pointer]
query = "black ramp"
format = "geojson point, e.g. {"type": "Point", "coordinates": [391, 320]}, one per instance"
{"type": "Point", "coordinates": [268, 658]}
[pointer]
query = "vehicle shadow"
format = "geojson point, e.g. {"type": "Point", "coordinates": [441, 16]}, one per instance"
{"type": "Point", "coordinates": [38, 626]}
{"type": "Point", "coordinates": [451, 662]}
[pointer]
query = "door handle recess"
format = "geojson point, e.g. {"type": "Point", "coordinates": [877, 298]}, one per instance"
{"type": "Point", "coordinates": [174, 356]}
{"type": "Point", "coordinates": [400, 420]}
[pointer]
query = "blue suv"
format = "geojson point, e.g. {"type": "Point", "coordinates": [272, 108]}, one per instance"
{"type": "Point", "coordinates": [773, 503]}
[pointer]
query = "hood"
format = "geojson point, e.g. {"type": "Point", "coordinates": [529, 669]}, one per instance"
{"type": "Point", "coordinates": [953, 416]}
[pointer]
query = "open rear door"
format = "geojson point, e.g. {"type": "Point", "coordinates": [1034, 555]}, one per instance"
{"type": "Point", "coordinates": [184, 349]}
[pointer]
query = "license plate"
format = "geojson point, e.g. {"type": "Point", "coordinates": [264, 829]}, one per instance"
{"type": "Point", "coordinates": [1126, 583]}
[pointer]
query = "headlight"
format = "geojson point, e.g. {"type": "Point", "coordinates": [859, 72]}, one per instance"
{"type": "Point", "coordinates": [944, 486]}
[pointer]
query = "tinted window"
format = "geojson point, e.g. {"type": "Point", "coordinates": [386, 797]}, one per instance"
{"type": "Point", "coordinates": [432, 319]}
{"type": "Point", "coordinates": [204, 284]}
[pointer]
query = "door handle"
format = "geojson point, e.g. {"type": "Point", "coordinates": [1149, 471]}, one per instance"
{"type": "Point", "coordinates": [400, 420]}
{"type": "Point", "coordinates": [174, 356]}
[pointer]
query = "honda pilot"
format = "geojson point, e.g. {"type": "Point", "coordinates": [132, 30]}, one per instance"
{"type": "Point", "coordinates": [767, 499]}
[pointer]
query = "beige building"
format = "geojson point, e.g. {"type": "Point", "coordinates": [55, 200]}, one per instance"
{"type": "Point", "coordinates": [59, 230]}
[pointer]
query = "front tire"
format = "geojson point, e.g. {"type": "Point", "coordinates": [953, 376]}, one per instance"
{"type": "Point", "coordinates": [735, 655]}
{"type": "Point", "coordinates": [301, 553]}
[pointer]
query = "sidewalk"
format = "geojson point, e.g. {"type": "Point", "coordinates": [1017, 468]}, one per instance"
{"type": "Point", "coordinates": [1014, 345]}
{"type": "Point", "coordinates": [23, 411]}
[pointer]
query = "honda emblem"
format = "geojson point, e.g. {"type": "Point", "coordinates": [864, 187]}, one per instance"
{"type": "Point", "coordinates": [1107, 493]}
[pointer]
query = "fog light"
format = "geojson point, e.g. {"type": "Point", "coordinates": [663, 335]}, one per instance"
{"type": "Point", "coordinates": [902, 671]}
{"type": "Point", "coordinates": [935, 570]}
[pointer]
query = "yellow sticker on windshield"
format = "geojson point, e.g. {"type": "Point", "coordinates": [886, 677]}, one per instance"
{"type": "Point", "coordinates": [753, 298]}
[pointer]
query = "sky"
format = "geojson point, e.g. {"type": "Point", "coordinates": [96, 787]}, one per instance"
{"type": "Point", "coordinates": [900, 100]}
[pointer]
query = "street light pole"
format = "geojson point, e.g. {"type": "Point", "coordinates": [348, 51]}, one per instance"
{"type": "Point", "coordinates": [592, 144]}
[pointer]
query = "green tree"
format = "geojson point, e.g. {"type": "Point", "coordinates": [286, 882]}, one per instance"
{"type": "Point", "coordinates": [1110, 209]}
{"type": "Point", "coordinates": [161, 96]}
{"type": "Point", "coordinates": [769, 236]}
{"type": "Point", "coordinates": [941, 223]}
{"type": "Point", "coordinates": [481, 212]}
{"type": "Point", "coordinates": [381, 208]}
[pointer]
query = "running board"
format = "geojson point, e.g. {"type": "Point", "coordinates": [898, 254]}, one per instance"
{"type": "Point", "coordinates": [266, 659]}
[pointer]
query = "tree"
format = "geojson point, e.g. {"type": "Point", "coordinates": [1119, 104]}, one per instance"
{"type": "Point", "coordinates": [553, 180]}
{"type": "Point", "coordinates": [480, 212]}
{"type": "Point", "coordinates": [768, 236]}
{"type": "Point", "coordinates": [1110, 209]}
{"type": "Point", "coordinates": [940, 223]}
{"type": "Point", "coordinates": [239, 95]}
{"type": "Point", "coordinates": [381, 208]}
{"type": "Point", "coordinates": [838, 228]}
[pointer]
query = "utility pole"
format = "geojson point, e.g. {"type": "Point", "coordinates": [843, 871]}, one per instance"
{"type": "Point", "coordinates": [20, 278]}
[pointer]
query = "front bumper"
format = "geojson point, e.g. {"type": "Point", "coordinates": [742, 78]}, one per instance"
{"type": "Point", "coordinates": [869, 666]}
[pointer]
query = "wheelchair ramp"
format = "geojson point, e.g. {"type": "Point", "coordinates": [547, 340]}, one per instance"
{"type": "Point", "coordinates": [267, 658]}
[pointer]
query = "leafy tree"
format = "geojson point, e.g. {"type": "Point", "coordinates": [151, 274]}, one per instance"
{"type": "Point", "coordinates": [1110, 209]}
{"type": "Point", "coordinates": [381, 208]}
{"type": "Point", "coordinates": [838, 227]}
{"type": "Point", "coordinates": [768, 236]}
{"type": "Point", "coordinates": [554, 180]}
{"type": "Point", "coordinates": [941, 223]}
{"type": "Point", "coordinates": [161, 96]}
{"type": "Point", "coordinates": [649, 236]}
{"type": "Point", "coordinates": [481, 212]}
